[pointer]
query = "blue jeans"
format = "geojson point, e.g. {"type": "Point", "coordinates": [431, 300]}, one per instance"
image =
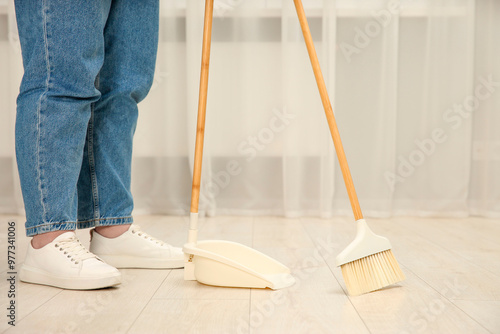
{"type": "Point", "coordinates": [87, 64]}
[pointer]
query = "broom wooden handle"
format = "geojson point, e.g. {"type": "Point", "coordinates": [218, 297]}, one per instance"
{"type": "Point", "coordinates": [202, 105]}
{"type": "Point", "coordinates": [351, 191]}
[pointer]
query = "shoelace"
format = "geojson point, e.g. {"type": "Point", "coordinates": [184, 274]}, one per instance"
{"type": "Point", "coordinates": [74, 249]}
{"type": "Point", "coordinates": [137, 230]}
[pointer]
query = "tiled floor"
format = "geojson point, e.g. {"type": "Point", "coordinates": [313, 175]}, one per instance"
{"type": "Point", "coordinates": [452, 286]}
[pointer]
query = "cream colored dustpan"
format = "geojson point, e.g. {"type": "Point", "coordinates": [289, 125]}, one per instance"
{"type": "Point", "coordinates": [218, 262]}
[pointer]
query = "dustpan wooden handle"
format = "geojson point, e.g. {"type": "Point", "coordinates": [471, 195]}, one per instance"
{"type": "Point", "coordinates": [328, 111]}
{"type": "Point", "coordinates": [202, 105]}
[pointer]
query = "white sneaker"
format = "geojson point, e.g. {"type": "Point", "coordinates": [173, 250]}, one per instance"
{"type": "Point", "coordinates": [66, 263]}
{"type": "Point", "coordinates": [136, 249]}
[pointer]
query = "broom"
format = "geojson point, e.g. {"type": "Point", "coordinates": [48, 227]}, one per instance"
{"type": "Point", "coordinates": [367, 263]}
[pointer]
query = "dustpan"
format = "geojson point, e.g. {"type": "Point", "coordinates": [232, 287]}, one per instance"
{"type": "Point", "coordinates": [218, 262]}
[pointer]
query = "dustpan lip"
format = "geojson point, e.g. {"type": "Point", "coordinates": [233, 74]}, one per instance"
{"type": "Point", "coordinates": [191, 248]}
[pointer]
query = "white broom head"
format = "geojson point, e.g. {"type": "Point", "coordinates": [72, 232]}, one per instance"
{"type": "Point", "coordinates": [365, 244]}
{"type": "Point", "coordinates": [368, 263]}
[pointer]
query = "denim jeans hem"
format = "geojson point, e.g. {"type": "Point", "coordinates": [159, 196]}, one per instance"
{"type": "Point", "coordinates": [50, 227]}
{"type": "Point", "coordinates": [105, 222]}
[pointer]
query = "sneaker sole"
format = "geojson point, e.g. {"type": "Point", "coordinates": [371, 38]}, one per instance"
{"type": "Point", "coordinates": [123, 261]}
{"type": "Point", "coordinates": [36, 276]}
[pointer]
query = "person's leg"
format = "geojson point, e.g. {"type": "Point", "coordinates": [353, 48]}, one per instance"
{"type": "Point", "coordinates": [131, 40]}
{"type": "Point", "coordinates": [105, 200]}
{"type": "Point", "coordinates": [63, 50]}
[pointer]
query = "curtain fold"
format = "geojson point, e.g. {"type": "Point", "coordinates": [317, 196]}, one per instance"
{"type": "Point", "coordinates": [414, 86]}
{"type": "Point", "coordinates": [10, 78]}
{"type": "Point", "coordinates": [484, 194]}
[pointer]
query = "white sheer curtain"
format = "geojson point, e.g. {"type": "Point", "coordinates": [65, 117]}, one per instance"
{"type": "Point", "coordinates": [414, 84]}
{"type": "Point", "coordinates": [10, 78]}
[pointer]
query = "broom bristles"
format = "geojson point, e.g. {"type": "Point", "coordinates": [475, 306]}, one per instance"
{"type": "Point", "coordinates": [371, 273]}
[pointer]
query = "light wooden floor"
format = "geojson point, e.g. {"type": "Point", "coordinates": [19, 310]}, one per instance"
{"type": "Point", "coordinates": [452, 286]}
